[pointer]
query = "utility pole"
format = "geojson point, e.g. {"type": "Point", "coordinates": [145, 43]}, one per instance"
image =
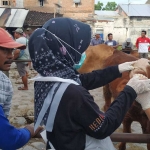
{"type": "Point", "coordinates": [128, 8]}
{"type": "Point", "coordinates": [127, 28]}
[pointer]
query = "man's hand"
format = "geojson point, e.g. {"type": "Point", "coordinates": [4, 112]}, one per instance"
{"type": "Point", "coordinates": [16, 53]}
{"type": "Point", "coordinates": [35, 134]}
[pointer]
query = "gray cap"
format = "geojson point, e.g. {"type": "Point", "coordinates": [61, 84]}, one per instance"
{"type": "Point", "coordinates": [97, 33]}
{"type": "Point", "coordinates": [128, 40]}
{"type": "Point", "coordinates": [19, 30]}
{"type": "Point", "coordinates": [28, 29]}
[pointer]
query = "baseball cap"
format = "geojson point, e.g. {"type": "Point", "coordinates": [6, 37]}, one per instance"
{"type": "Point", "coordinates": [6, 41]}
{"type": "Point", "coordinates": [28, 29]}
{"type": "Point", "coordinates": [19, 30]}
{"type": "Point", "coordinates": [128, 40]}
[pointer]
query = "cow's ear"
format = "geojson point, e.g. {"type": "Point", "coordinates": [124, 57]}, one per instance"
{"type": "Point", "coordinates": [148, 71]}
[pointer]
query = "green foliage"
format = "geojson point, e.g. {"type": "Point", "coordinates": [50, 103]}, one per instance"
{"type": "Point", "coordinates": [119, 48]}
{"type": "Point", "coordinates": [99, 6]}
{"type": "Point", "coordinates": [110, 6]}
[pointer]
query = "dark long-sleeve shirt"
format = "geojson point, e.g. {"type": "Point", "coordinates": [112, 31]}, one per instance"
{"type": "Point", "coordinates": [10, 137]}
{"type": "Point", "coordinates": [78, 115]}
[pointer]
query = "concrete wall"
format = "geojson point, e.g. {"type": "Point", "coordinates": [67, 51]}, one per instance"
{"type": "Point", "coordinates": [123, 28]}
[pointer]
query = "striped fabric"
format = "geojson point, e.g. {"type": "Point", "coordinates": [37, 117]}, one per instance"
{"type": "Point", "coordinates": [6, 92]}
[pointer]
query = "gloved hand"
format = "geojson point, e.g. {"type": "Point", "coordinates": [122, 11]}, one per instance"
{"type": "Point", "coordinates": [139, 83]}
{"type": "Point", "coordinates": [144, 100]}
{"type": "Point", "coordinates": [127, 66]}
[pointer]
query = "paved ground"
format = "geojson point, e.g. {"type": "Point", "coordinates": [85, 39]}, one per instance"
{"type": "Point", "coordinates": [22, 112]}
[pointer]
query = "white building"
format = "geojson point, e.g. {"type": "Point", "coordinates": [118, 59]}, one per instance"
{"type": "Point", "coordinates": [126, 21]}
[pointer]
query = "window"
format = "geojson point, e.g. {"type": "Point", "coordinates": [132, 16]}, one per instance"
{"type": "Point", "coordinates": [6, 3]}
{"type": "Point", "coordinates": [77, 2]}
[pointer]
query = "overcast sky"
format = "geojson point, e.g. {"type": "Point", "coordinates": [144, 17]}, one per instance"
{"type": "Point", "coordinates": [123, 1]}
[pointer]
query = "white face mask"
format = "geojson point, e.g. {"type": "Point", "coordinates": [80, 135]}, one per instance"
{"type": "Point", "coordinates": [64, 50]}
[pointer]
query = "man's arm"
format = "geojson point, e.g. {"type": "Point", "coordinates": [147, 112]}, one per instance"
{"type": "Point", "coordinates": [99, 125]}
{"type": "Point", "coordinates": [10, 137]}
{"type": "Point", "coordinates": [116, 45]}
{"type": "Point", "coordinates": [99, 78]}
{"type": "Point", "coordinates": [92, 44]}
{"type": "Point", "coordinates": [16, 53]}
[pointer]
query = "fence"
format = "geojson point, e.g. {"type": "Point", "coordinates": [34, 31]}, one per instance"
{"type": "Point", "coordinates": [130, 137]}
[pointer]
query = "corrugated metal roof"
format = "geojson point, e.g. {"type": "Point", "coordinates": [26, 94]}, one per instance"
{"type": "Point", "coordinates": [106, 13]}
{"type": "Point", "coordinates": [12, 17]}
{"type": "Point", "coordinates": [136, 9]}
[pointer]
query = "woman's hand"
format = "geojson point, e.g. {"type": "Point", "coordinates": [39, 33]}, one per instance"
{"type": "Point", "coordinates": [127, 66]}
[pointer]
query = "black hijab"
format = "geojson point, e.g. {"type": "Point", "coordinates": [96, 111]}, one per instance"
{"type": "Point", "coordinates": [49, 48]}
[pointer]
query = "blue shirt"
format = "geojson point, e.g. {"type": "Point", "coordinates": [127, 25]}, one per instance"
{"type": "Point", "coordinates": [111, 43]}
{"type": "Point", "coordinates": [10, 137]}
{"type": "Point", "coordinates": [95, 41]}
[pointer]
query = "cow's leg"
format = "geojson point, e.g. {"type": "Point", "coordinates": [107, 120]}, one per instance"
{"type": "Point", "coordinates": [107, 96]}
{"type": "Point", "coordinates": [126, 129]}
{"type": "Point", "coordinates": [148, 146]}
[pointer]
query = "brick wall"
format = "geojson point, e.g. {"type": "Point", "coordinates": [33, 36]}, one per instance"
{"type": "Point", "coordinates": [69, 9]}
{"type": "Point", "coordinates": [30, 3]}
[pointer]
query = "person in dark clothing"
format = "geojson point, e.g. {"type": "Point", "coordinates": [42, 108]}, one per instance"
{"type": "Point", "coordinates": [111, 42]}
{"type": "Point", "coordinates": [96, 40]}
{"type": "Point", "coordinates": [72, 119]}
{"type": "Point", "coordinates": [127, 46]}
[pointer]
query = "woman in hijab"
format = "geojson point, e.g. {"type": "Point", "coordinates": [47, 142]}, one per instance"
{"type": "Point", "coordinates": [63, 104]}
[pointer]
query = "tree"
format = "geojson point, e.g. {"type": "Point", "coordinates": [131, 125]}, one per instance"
{"type": "Point", "coordinates": [98, 6]}
{"type": "Point", "coordinates": [110, 6]}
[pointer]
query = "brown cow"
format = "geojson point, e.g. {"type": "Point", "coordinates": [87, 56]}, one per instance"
{"type": "Point", "coordinates": [112, 90]}
{"type": "Point", "coordinates": [95, 57]}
